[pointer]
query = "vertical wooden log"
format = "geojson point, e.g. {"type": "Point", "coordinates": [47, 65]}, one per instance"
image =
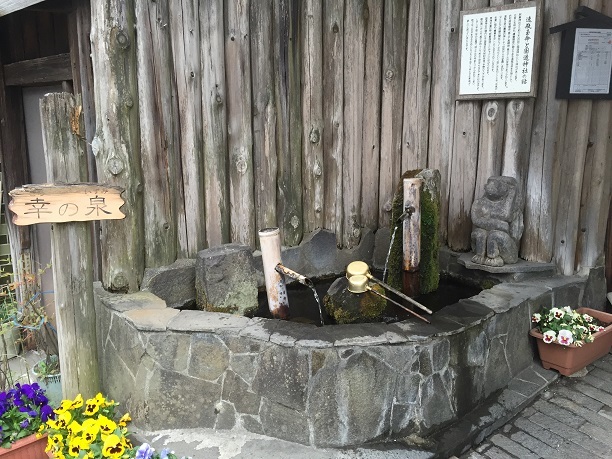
{"type": "Point", "coordinates": [491, 142]}
{"type": "Point", "coordinates": [464, 164]}
{"type": "Point", "coordinates": [569, 174]}
{"type": "Point", "coordinates": [442, 121]}
{"type": "Point", "coordinates": [392, 104]}
{"type": "Point", "coordinates": [86, 90]}
{"type": "Point", "coordinates": [517, 142]}
{"type": "Point", "coordinates": [65, 154]}
{"type": "Point", "coordinates": [215, 123]}
{"type": "Point", "coordinates": [312, 114]}
{"type": "Point", "coordinates": [596, 188]}
{"type": "Point", "coordinates": [287, 90]}
{"type": "Point", "coordinates": [546, 138]}
{"type": "Point", "coordinates": [158, 146]}
{"type": "Point", "coordinates": [185, 36]}
{"type": "Point", "coordinates": [333, 116]}
{"type": "Point", "coordinates": [418, 84]}
{"type": "Point", "coordinates": [117, 141]}
{"type": "Point", "coordinates": [371, 115]}
{"type": "Point", "coordinates": [240, 137]}
{"type": "Point", "coordinates": [264, 114]}
{"type": "Point", "coordinates": [355, 23]}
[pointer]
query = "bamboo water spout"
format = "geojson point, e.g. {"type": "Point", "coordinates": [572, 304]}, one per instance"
{"type": "Point", "coordinates": [360, 268]}
{"type": "Point", "coordinates": [276, 289]}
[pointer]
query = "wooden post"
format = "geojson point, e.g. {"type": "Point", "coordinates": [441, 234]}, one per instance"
{"type": "Point", "coordinates": [333, 101]}
{"type": "Point", "coordinates": [411, 235]}
{"type": "Point", "coordinates": [442, 117]}
{"type": "Point", "coordinates": [312, 114]}
{"type": "Point", "coordinates": [62, 124]}
{"type": "Point", "coordinates": [289, 120]}
{"type": "Point", "coordinates": [392, 105]}
{"type": "Point", "coordinates": [158, 143]}
{"type": "Point", "coordinates": [117, 142]}
{"type": "Point", "coordinates": [214, 122]}
{"type": "Point", "coordinates": [371, 116]}
{"type": "Point", "coordinates": [265, 159]}
{"type": "Point", "coordinates": [491, 143]}
{"type": "Point", "coordinates": [240, 136]}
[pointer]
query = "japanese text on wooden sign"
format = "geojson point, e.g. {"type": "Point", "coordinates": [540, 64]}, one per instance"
{"type": "Point", "coordinates": [65, 203]}
{"type": "Point", "coordinates": [497, 52]}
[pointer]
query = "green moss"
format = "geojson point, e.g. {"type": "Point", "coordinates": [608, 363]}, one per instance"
{"type": "Point", "coordinates": [487, 284]}
{"type": "Point", "coordinates": [429, 271]}
{"type": "Point", "coordinates": [350, 308]}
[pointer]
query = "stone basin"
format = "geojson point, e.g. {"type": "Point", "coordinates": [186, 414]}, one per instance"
{"type": "Point", "coordinates": [331, 386]}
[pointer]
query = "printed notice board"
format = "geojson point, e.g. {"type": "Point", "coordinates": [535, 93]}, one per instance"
{"type": "Point", "coordinates": [498, 49]}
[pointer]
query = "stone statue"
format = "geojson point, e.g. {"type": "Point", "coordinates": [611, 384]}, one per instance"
{"type": "Point", "coordinates": [497, 220]}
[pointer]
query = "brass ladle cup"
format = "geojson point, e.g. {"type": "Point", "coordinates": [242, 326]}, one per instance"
{"type": "Point", "coordinates": [359, 284]}
{"type": "Point", "coordinates": [360, 268]}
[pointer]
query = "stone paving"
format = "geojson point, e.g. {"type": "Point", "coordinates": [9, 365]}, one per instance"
{"type": "Point", "coordinates": [572, 419]}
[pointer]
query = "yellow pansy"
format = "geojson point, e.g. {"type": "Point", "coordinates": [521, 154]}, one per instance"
{"type": "Point", "coordinates": [74, 428]}
{"type": "Point", "coordinates": [77, 402]}
{"type": "Point", "coordinates": [63, 420]}
{"type": "Point", "coordinates": [124, 420]}
{"type": "Point", "coordinates": [113, 447]}
{"type": "Point", "coordinates": [65, 405]}
{"type": "Point", "coordinates": [92, 405]}
{"type": "Point", "coordinates": [107, 426]}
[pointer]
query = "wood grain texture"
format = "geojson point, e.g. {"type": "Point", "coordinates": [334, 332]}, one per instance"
{"type": "Point", "coordinates": [548, 125]}
{"type": "Point", "coordinates": [491, 142]}
{"type": "Point", "coordinates": [158, 143]}
{"type": "Point", "coordinates": [442, 113]}
{"type": "Point", "coordinates": [289, 120]}
{"type": "Point", "coordinates": [392, 105]}
{"type": "Point", "coordinates": [355, 23]}
{"type": "Point", "coordinates": [117, 142]}
{"type": "Point", "coordinates": [71, 249]}
{"type": "Point", "coordinates": [464, 164]}
{"type": "Point", "coordinates": [240, 136]}
{"type": "Point", "coordinates": [333, 115]}
{"type": "Point", "coordinates": [42, 70]}
{"type": "Point", "coordinates": [214, 120]}
{"type": "Point", "coordinates": [418, 84]}
{"type": "Point", "coordinates": [185, 37]}
{"type": "Point", "coordinates": [312, 114]}
{"type": "Point", "coordinates": [371, 115]}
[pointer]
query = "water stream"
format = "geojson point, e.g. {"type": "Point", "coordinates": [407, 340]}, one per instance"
{"type": "Point", "coordinates": [316, 296]}
{"type": "Point", "coordinates": [384, 276]}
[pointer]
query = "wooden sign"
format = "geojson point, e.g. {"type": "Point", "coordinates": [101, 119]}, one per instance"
{"type": "Point", "coordinates": [79, 202]}
{"type": "Point", "coordinates": [498, 52]}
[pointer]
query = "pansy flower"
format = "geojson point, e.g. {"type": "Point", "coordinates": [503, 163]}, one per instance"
{"type": "Point", "coordinates": [549, 336]}
{"type": "Point", "coordinates": [565, 337]}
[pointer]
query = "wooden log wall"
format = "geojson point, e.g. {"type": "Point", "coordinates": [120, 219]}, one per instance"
{"type": "Point", "coordinates": [304, 113]}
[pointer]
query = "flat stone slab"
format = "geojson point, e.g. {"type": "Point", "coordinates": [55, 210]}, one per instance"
{"type": "Point", "coordinates": [151, 319]}
{"type": "Point", "coordinates": [521, 266]}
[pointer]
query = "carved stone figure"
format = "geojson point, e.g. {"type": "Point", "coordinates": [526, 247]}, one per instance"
{"type": "Point", "coordinates": [497, 220]}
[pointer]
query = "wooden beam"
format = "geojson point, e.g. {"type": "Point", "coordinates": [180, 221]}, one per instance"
{"type": "Point", "coordinates": [43, 70]}
{"type": "Point", "coordinates": [10, 6]}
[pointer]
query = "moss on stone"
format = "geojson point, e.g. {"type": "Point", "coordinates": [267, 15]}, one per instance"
{"type": "Point", "coordinates": [429, 271]}
{"type": "Point", "coordinates": [350, 308]}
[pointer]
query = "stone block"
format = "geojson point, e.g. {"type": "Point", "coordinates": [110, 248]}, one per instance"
{"type": "Point", "coordinates": [226, 416]}
{"type": "Point", "coordinates": [226, 279]}
{"type": "Point", "coordinates": [175, 284]}
{"type": "Point", "coordinates": [252, 424]}
{"type": "Point", "coordinates": [236, 391]}
{"type": "Point", "coordinates": [125, 302]}
{"type": "Point", "coordinates": [344, 408]}
{"type": "Point", "coordinates": [169, 350]}
{"type": "Point", "coordinates": [282, 376]}
{"type": "Point", "coordinates": [209, 357]}
{"type": "Point", "coordinates": [127, 340]}
{"type": "Point", "coordinates": [285, 423]}
{"type": "Point", "coordinates": [437, 400]}
{"type": "Point", "coordinates": [497, 370]}
{"type": "Point", "coordinates": [150, 319]}
{"type": "Point", "coordinates": [202, 321]}
{"type": "Point", "coordinates": [244, 365]}
{"type": "Point", "coordinates": [382, 238]}
{"type": "Point", "coordinates": [178, 401]}
{"type": "Point", "coordinates": [595, 289]}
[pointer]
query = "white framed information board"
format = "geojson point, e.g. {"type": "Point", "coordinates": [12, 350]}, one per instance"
{"type": "Point", "coordinates": [498, 49]}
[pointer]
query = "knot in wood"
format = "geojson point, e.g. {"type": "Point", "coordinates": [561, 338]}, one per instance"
{"type": "Point", "coordinates": [335, 28]}
{"type": "Point", "coordinates": [123, 40]}
{"type": "Point", "coordinates": [128, 101]}
{"type": "Point", "coordinates": [317, 171]}
{"type": "Point", "coordinates": [114, 165]}
{"type": "Point", "coordinates": [389, 74]}
{"type": "Point", "coordinates": [295, 221]}
{"type": "Point", "coordinates": [241, 164]}
{"type": "Point", "coordinates": [314, 136]}
{"type": "Point", "coordinates": [356, 232]}
{"type": "Point", "coordinates": [492, 110]}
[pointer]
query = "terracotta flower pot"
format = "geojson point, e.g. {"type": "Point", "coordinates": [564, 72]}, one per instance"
{"type": "Point", "coordinates": [28, 447]}
{"type": "Point", "coordinates": [569, 359]}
